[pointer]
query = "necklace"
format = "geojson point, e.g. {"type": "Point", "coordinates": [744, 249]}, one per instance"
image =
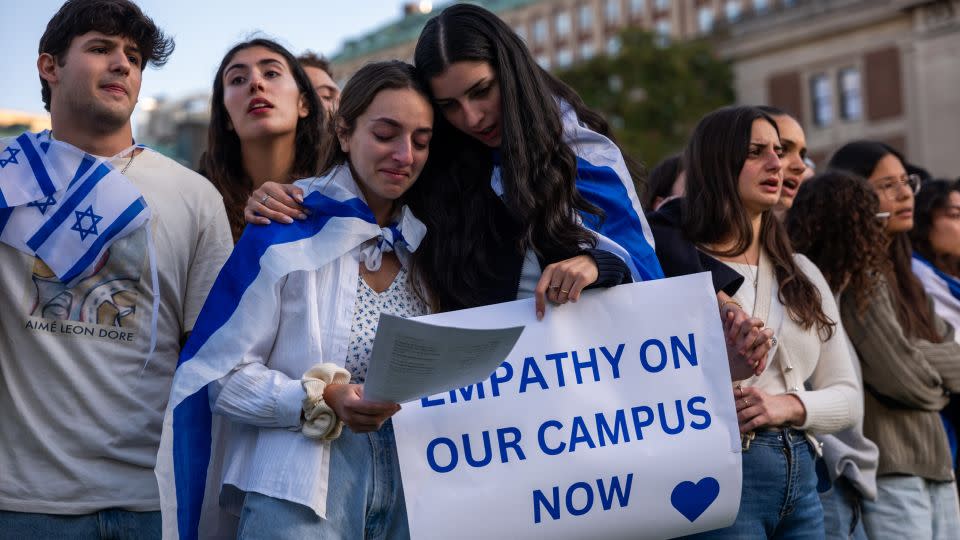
{"type": "Point", "coordinates": [133, 155]}
{"type": "Point", "coordinates": [755, 275]}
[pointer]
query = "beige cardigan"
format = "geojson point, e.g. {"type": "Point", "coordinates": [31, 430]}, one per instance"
{"type": "Point", "coordinates": [833, 401]}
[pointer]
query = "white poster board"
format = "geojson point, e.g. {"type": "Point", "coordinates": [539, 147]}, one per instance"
{"type": "Point", "coordinates": [611, 418]}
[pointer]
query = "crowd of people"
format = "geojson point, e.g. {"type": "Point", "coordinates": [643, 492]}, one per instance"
{"type": "Point", "coordinates": [237, 305]}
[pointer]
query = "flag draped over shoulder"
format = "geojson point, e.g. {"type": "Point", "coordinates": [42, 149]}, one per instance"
{"type": "Point", "coordinates": [241, 301]}
{"type": "Point", "coordinates": [63, 205]}
{"type": "Point", "coordinates": [603, 179]}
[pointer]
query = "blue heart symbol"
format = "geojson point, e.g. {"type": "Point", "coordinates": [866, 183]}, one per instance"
{"type": "Point", "coordinates": [692, 500]}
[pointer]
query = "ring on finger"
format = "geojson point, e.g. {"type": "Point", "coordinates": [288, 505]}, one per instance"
{"type": "Point", "coordinates": [773, 341]}
{"type": "Point", "coordinates": [264, 199]}
{"type": "Point", "coordinates": [746, 402]}
{"type": "Point", "coordinates": [564, 291]}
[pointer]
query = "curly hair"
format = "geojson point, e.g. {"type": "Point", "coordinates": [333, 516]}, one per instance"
{"type": "Point", "coordinates": [833, 222]}
{"type": "Point", "coordinates": [110, 17]}
{"type": "Point", "coordinates": [911, 302]}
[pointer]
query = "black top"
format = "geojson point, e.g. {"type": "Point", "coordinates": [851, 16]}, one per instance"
{"type": "Point", "coordinates": [506, 262]}
{"type": "Point", "coordinates": [679, 256]}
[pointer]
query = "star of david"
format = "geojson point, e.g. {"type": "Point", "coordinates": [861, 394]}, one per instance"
{"type": "Point", "coordinates": [92, 229]}
{"type": "Point", "coordinates": [44, 204]}
{"type": "Point", "coordinates": [12, 159]}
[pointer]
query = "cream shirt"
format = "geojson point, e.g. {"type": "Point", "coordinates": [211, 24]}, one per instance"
{"type": "Point", "coordinates": [81, 424]}
{"type": "Point", "coordinates": [834, 401]}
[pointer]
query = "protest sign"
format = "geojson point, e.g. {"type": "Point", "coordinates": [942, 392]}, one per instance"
{"type": "Point", "coordinates": [611, 418]}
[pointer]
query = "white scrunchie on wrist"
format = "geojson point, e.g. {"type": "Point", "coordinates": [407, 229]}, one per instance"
{"type": "Point", "coordinates": [319, 420]}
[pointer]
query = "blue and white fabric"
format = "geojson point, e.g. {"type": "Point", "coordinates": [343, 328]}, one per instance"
{"type": "Point", "coordinates": [943, 288]}
{"type": "Point", "coordinates": [603, 179]}
{"type": "Point", "coordinates": [241, 308]}
{"type": "Point", "coordinates": [63, 205]}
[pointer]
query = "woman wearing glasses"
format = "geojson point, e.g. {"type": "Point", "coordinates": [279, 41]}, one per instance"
{"type": "Point", "coordinates": [910, 363]}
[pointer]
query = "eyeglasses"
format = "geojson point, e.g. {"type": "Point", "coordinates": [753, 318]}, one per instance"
{"type": "Point", "coordinates": [889, 186]}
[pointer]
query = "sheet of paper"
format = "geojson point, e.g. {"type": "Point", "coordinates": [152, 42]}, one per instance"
{"type": "Point", "coordinates": [412, 359]}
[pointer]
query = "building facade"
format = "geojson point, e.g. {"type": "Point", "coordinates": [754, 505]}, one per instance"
{"type": "Point", "coordinates": [849, 69]}
{"type": "Point", "coordinates": [563, 32]}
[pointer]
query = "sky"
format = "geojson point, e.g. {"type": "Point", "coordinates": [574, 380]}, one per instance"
{"type": "Point", "coordinates": [203, 29]}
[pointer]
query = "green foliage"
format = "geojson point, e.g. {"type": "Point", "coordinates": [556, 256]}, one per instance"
{"type": "Point", "coordinates": [653, 95]}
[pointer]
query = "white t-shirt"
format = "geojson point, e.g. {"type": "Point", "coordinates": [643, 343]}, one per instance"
{"type": "Point", "coordinates": [80, 423]}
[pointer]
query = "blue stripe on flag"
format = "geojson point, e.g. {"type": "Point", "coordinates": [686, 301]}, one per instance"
{"type": "Point", "coordinates": [3, 201]}
{"type": "Point", "coordinates": [68, 206]}
{"type": "Point", "coordinates": [39, 171]}
{"type": "Point", "coordinates": [603, 187]}
{"type": "Point", "coordinates": [115, 227]}
{"type": "Point", "coordinates": [192, 417]}
{"type": "Point", "coordinates": [952, 283]}
{"type": "Point", "coordinates": [85, 165]}
{"type": "Point", "coordinates": [5, 214]}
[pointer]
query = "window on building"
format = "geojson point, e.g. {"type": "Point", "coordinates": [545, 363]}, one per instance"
{"type": "Point", "coordinates": [613, 46]}
{"type": "Point", "coordinates": [612, 11]}
{"type": "Point", "coordinates": [662, 5]}
{"type": "Point", "coordinates": [587, 50]}
{"type": "Point", "coordinates": [637, 7]}
{"type": "Point", "coordinates": [564, 57]}
{"type": "Point", "coordinates": [821, 99]}
{"type": "Point", "coordinates": [705, 19]}
{"type": "Point", "coordinates": [851, 100]}
{"type": "Point", "coordinates": [540, 31]}
{"type": "Point", "coordinates": [663, 30]}
{"type": "Point", "coordinates": [585, 17]}
{"type": "Point", "coordinates": [732, 9]}
{"type": "Point", "coordinates": [562, 24]}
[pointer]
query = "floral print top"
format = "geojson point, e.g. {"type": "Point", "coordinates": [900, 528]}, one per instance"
{"type": "Point", "coordinates": [399, 299]}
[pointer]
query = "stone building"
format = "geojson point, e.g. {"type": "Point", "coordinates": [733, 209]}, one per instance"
{"type": "Point", "coordinates": [879, 69]}
{"type": "Point", "coordinates": [848, 69]}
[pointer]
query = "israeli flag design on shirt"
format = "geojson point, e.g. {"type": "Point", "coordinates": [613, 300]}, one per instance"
{"type": "Point", "coordinates": [242, 300]}
{"type": "Point", "coordinates": [65, 206]}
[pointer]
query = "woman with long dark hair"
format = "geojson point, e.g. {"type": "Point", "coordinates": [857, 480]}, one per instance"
{"type": "Point", "coordinates": [265, 125]}
{"type": "Point", "coordinates": [734, 180]}
{"type": "Point", "coordinates": [910, 363]}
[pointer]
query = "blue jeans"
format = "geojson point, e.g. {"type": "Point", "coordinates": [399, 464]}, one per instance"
{"type": "Point", "coordinates": [779, 498]}
{"type": "Point", "coordinates": [843, 512]}
{"type": "Point", "coordinates": [110, 524]}
{"type": "Point", "coordinates": [364, 499]}
{"type": "Point", "coordinates": [912, 507]}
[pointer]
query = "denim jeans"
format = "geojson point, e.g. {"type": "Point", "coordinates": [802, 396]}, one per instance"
{"type": "Point", "coordinates": [843, 512]}
{"type": "Point", "coordinates": [110, 524]}
{"type": "Point", "coordinates": [779, 497]}
{"type": "Point", "coordinates": [364, 499]}
{"type": "Point", "coordinates": [912, 507]}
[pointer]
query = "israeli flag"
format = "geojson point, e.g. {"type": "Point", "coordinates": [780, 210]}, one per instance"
{"type": "Point", "coordinates": [241, 300]}
{"type": "Point", "coordinates": [603, 179]}
{"type": "Point", "coordinates": [70, 227]}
